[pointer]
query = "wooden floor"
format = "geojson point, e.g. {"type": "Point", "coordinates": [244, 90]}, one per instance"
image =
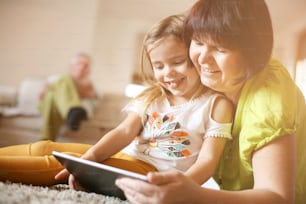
{"type": "Point", "coordinates": [9, 136]}
{"type": "Point", "coordinates": [86, 134]}
{"type": "Point", "coordinates": [21, 130]}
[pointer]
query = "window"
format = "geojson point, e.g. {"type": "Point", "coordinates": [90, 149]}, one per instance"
{"type": "Point", "coordinates": [300, 70]}
{"type": "Point", "coordinates": [300, 75]}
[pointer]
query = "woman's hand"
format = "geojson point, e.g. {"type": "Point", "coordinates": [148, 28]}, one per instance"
{"type": "Point", "coordinates": [163, 187]}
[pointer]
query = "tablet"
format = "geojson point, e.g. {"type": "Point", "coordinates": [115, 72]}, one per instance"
{"type": "Point", "coordinates": [96, 177]}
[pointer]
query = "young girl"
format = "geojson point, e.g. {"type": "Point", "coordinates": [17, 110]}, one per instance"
{"type": "Point", "coordinates": [175, 124]}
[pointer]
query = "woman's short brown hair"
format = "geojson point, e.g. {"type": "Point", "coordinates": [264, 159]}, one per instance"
{"type": "Point", "coordinates": [244, 25]}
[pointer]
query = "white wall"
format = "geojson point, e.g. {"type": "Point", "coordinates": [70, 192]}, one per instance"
{"type": "Point", "coordinates": [289, 19]}
{"type": "Point", "coordinates": [37, 37]}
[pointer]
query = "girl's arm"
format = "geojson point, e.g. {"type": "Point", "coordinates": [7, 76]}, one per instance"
{"type": "Point", "coordinates": [212, 147]}
{"type": "Point", "coordinates": [116, 139]}
{"type": "Point", "coordinates": [111, 143]}
{"type": "Point", "coordinates": [207, 161]}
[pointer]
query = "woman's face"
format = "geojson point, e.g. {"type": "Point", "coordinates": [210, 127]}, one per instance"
{"type": "Point", "coordinates": [172, 68]}
{"type": "Point", "coordinates": [220, 69]}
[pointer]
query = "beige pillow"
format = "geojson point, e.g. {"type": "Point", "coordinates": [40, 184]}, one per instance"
{"type": "Point", "coordinates": [28, 95]}
{"type": "Point", "coordinates": [8, 96]}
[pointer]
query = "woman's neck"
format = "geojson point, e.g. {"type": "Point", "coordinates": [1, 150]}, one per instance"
{"type": "Point", "coordinates": [234, 95]}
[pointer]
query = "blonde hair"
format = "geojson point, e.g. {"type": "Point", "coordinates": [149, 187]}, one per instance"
{"type": "Point", "coordinates": [170, 26]}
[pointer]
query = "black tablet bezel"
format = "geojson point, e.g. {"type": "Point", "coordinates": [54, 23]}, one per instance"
{"type": "Point", "coordinates": [95, 177]}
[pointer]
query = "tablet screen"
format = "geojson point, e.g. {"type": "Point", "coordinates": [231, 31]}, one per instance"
{"type": "Point", "coordinates": [96, 177]}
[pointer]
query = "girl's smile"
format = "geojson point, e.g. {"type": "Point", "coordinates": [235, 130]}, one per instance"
{"type": "Point", "coordinates": [172, 69]}
{"type": "Point", "coordinates": [175, 83]}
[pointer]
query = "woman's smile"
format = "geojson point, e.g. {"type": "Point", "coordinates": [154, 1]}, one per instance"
{"type": "Point", "coordinates": [205, 70]}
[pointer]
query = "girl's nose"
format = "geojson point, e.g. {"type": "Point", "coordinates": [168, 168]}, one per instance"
{"type": "Point", "coordinates": [169, 71]}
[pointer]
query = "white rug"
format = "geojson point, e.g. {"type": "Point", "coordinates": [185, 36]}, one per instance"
{"type": "Point", "coordinates": [61, 194]}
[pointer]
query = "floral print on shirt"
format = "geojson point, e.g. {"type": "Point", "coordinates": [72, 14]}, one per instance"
{"type": "Point", "coordinates": [163, 134]}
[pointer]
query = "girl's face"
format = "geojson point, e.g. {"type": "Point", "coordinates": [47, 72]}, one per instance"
{"type": "Point", "coordinates": [221, 69]}
{"type": "Point", "coordinates": [172, 69]}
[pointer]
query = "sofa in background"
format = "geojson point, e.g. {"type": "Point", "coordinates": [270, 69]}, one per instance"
{"type": "Point", "coordinates": [20, 121]}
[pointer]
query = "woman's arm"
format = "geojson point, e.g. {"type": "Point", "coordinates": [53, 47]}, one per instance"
{"type": "Point", "coordinates": [274, 169]}
{"type": "Point", "coordinates": [274, 178]}
{"type": "Point", "coordinates": [212, 147]}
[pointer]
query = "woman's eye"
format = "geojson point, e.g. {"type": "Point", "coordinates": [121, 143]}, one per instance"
{"type": "Point", "coordinates": [221, 50]}
{"type": "Point", "coordinates": [197, 42]}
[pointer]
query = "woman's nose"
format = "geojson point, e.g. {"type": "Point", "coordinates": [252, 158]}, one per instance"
{"type": "Point", "coordinates": [205, 55]}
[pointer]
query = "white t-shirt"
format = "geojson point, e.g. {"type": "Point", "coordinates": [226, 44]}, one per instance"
{"type": "Point", "coordinates": [173, 135]}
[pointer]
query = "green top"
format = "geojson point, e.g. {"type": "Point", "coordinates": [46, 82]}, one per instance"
{"type": "Point", "coordinates": [270, 106]}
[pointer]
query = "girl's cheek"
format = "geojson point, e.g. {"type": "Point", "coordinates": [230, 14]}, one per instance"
{"type": "Point", "coordinates": [156, 76]}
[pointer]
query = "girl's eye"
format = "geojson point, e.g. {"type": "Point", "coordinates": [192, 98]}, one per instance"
{"type": "Point", "coordinates": [179, 62]}
{"type": "Point", "coordinates": [158, 66]}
